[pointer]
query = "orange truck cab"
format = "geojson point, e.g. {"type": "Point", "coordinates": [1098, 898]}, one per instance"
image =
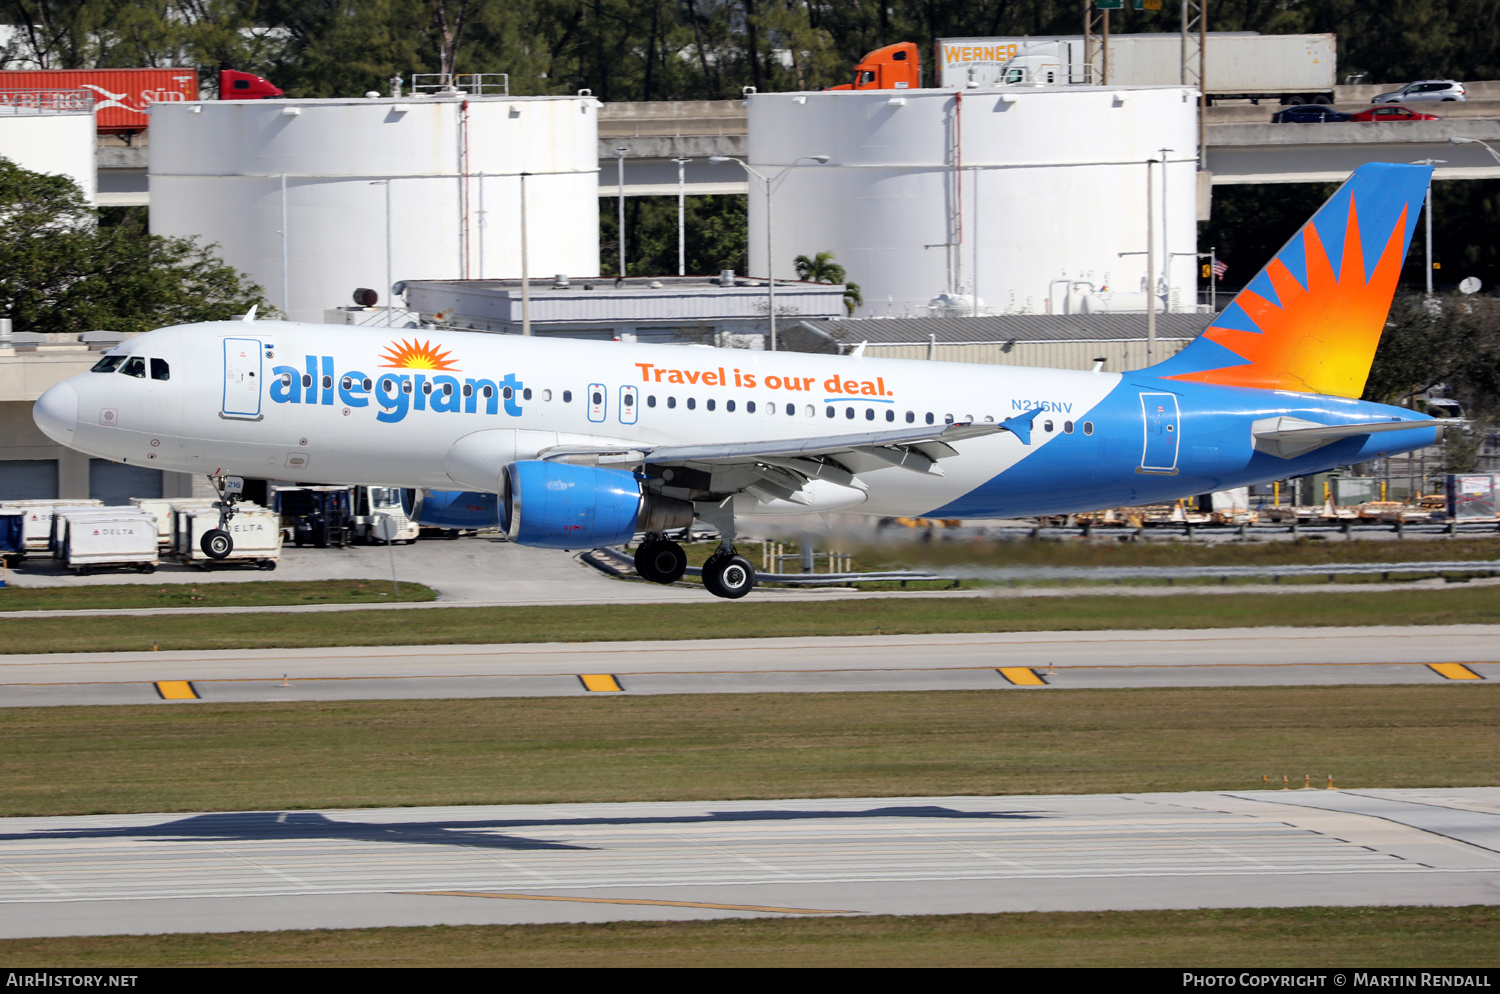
{"type": "Point", "coordinates": [895, 67]}
{"type": "Point", "coordinates": [235, 85]}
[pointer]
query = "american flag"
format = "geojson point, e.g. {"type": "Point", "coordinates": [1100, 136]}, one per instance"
{"type": "Point", "coordinates": [1220, 268]}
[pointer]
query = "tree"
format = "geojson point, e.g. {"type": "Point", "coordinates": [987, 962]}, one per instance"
{"type": "Point", "coordinates": [62, 270]}
{"type": "Point", "coordinates": [822, 269]}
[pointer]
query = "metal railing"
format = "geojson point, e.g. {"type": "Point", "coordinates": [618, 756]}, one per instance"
{"type": "Point", "coordinates": [48, 101]}
{"type": "Point", "coordinates": [475, 84]}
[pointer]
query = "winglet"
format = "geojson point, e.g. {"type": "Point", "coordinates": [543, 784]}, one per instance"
{"type": "Point", "coordinates": [1020, 425]}
{"type": "Point", "coordinates": [250, 314]}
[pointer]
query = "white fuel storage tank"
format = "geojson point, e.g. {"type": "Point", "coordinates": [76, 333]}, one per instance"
{"type": "Point", "coordinates": [1018, 197]}
{"type": "Point", "coordinates": [295, 192]}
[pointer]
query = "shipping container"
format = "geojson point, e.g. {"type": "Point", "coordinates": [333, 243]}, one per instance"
{"type": "Point", "coordinates": [116, 536]}
{"type": "Point", "coordinates": [1240, 65]}
{"type": "Point", "coordinates": [121, 96]}
{"type": "Point", "coordinates": [256, 532]}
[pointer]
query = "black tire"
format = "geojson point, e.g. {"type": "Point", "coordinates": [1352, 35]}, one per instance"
{"type": "Point", "coordinates": [660, 561]}
{"type": "Point", "coordinates": [728, 576]}
{"type": "Point", "coordinates": [216, 543]}
{"type": "Point", "coordinates": [146, 568]}
{"type": "Point", "coordinates": [266, 564]}
{"type": "Point", "coordinates": [1323, 99]}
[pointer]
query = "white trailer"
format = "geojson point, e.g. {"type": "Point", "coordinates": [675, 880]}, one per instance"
{"type": "Point", "coordinates": [121, 536]}
{"type": "Point", "coordinates": [1294, 69]}
{"type": "Point", "coordinates": [256, 532]}
{"type": "Point", "coordinates": [37, 531]}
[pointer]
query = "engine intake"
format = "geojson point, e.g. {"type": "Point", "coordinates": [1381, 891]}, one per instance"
{"type": "Point", "coordinates": [561, 506]}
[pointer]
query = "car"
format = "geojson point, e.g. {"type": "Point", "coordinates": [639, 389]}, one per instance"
{"type": "Point", "coordinates": [1309, 114]}
{"type": "Point", "coordinates": [1393, 112]}
{"type": "Point", "coordinates": [1426, 89]}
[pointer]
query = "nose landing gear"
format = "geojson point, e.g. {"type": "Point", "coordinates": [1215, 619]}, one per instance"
{"type": "Point", "coordinates": [217, 543]}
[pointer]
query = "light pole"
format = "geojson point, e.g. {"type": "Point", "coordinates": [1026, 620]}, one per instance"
{"type": "Point", "coordinates": [525, 267]}
{"type": "Point", "coordinates": [770, 186]}
{"type": "Point", "coordinates": [681, 215]}
{"type": "Point", "coordinates": [1457, 140]}
{"type": "Point", "coordinates": [620, 151]}
{"type": "Point", "coordinates": [1428, 213]}
{"type": "Point", "coordinates": [387, 184]}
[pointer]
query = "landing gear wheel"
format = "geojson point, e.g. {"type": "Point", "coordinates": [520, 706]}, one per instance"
{"type": "Point", "coordinates": [660, 561]}
{"type": "Point", "coordinates": [728, 575]}
{"type": "Point", "coordinates": [216, 544]}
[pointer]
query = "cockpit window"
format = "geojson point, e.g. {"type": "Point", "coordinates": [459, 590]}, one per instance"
{"type": "Point", "coordinates": [135, 366]}
{"type": "Point", "coordinates": [159, 370]}
{"type": "Point", "coordinates": [107, 364]}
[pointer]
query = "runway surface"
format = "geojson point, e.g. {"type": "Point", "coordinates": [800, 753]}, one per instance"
{"type": "Point", "coordinates": [602, 862]}
{"type": "Point", "coordinates": [1454, 654]}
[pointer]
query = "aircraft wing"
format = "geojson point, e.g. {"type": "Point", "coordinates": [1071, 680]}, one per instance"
{"type": "Point", "coordinates": [1291, 437]}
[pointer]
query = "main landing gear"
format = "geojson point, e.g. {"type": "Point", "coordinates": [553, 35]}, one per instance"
{"type": "Point", "coordinates": [217, 543]}
{"type": "Point", "coordinates": [660, 560]}
{"type": "Point", "coordinates": [726, 573]}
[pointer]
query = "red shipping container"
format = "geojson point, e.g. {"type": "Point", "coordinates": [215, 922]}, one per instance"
{"type": "Point", "coordinates": [121, 96]}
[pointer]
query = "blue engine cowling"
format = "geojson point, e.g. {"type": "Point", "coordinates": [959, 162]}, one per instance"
{"type": "Point", "coordinates": [562, 506]}
{"type": "Point", "coordinates": [451, 508]}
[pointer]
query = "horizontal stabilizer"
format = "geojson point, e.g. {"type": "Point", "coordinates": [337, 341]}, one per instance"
{"type": "Point", "coordinates": [1288, 437]}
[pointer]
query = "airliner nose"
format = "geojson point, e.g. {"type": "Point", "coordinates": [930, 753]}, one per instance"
{"type": "Point", "coordinates": [56, 413]}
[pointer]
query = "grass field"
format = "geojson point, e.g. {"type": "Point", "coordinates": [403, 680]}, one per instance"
{"type": "Point", "coordinates": [1254, 937]}
{"type": "Point", "coordinates": [751, 618]}
{"type": "Point", "coordinates": [84, 760]}
{"type": "Point", "coordinates": [209, 593]}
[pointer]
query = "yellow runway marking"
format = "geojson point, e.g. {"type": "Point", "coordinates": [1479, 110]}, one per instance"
{"type": "Point", "coordinates": [1454, 671]}
{"type": "Point", "coordinates": [622, 900]}
{"type": "Point", "coordinates": [176, 690]}
{"type": "Point", "coordinates": [1022, 676]}
{"type": "Point", "coordinates": [600, 682]}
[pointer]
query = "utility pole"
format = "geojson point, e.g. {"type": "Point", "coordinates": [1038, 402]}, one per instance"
{"type": "Point", "coordinates": [1427, 211]}
{"type": "Point", "coordinates": [682, 214]}
{"type": "Point", "coordinates": [525, 267]}
{"type": "Point", "coordinates": [1150, 268]}
{"type": "Point", "coordinates": [620, 151]}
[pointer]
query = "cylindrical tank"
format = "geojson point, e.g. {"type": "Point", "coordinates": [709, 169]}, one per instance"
{"type": "Point", "coordinates": [51, 131]}
{"type": "Point", "coordinates": [998, 193]}
{"type": "Point", "coordinates": [442, 175]}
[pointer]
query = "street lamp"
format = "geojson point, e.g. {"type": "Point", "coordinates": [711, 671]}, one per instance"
{"type": "Point", "coordinates": [1457, 140]}
{"type": "Point", "coordinates": [681, 211]}
{"type": "Point", "coordinates": [770, 185]}
{"type": "Point", "coordinates": [1428, 213]}
{"type": "Point", "coordinates": [387, 184]}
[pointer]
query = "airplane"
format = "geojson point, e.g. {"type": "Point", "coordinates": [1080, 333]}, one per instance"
{"type": "Point", "coordinates": [570, 444]}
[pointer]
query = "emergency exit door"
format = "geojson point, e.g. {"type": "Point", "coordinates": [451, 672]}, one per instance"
{"type": "Point", "coordinates": [242, 376]}
{"type": "Point", "coordinates": [1160, 417]}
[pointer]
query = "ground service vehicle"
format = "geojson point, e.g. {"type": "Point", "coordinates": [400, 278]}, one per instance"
{"type": "Point", "coordinates": [123, 96]}
{"type": "Point", "coordinates": [570, 444]}
{"type": "Point", "coordinates": [371, 504]}
{"type": "Point", "coordinates": [894, 67]}
{"type": "Point", "coordinates": [1294, 69]}
{"type": "Point", "coordinates": [317, 516]}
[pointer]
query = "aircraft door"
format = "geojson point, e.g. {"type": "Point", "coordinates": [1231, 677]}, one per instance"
{"type": "Point", "coordinates": [1161, 417]}
{"type": "Point", "coordinates": [627, 405]}
{"type": "Point", "coordinates": [242, 376]}
{"type": "Point", "coordinates": [598, 402]}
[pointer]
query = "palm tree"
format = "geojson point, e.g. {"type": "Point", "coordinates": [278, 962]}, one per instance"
{"type": "Point", "coordinates": [822, 269]}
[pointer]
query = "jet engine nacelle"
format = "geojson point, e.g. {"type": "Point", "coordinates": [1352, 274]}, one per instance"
{"type": "Point", "coordinates": [459, 509]}
{"type": "Point", "coordinates": [562, 506]}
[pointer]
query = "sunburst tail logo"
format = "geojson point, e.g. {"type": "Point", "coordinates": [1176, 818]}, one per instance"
{"type": "Point", "coordinates": [1311, 319]}
{"type": "Point", "coordinates": [416, 355]}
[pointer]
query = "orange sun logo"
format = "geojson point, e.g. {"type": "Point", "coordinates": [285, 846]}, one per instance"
{"type": "Point", "coordinates": [416, 355]}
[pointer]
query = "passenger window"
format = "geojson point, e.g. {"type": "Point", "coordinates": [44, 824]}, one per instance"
{"type": "Point", "coordinates": [1088, 427]}
{"type": "Point", "coordinates": [809, 410]}
{"type": "Point", "coordinates": [1067, 427]}
{"type": "Point", "coordinates": [134, 366]}
{"type": "Point", "coordinates": [159, 370]}
{"type": "Point", "coordinates": [671, 402]}
{"type": "Point", "coordinates": [1047, 427]}
{"type": "Point", "coordinates": [567, 396]}
{"type": "Point", "coordinates": [848, 412]}
{"type": "Point", "coordinates": [710, 403]}
{"type": "Point", "coordinates": [107, 364]}
{"type": "Point", "coordinates": [365, 384]}
{"type": "Point", "coordinates": [427, 388]}
{"type": "Point", "coordinates": [750, 407]}
{"type": "Point", "coordinates": [911, 416]}
{"type": "Point", "coordinates": [598, 397]}
{"type": "Point", "coordinates": [508, 393]}
{"type": "Point", "coordinates": [869, 414]}
{"type": "Point", "coordinates": [890, 415]}
{"type": "Point", "coordinates": [546, 394]}
{"type": "Point", "coordinates": [692, 403]}
{"type": "Point", "coordinates": [488, 392]}
{"type": "Point", "coordinates": [828, 411]}
{"type": "Point", "coordinates": [947, 419]}
{"type": "Point", "coordinates": [327, 380]}
{"type": "Point", "coordinates": [729, 405]}
{"type": "Point", "coordinates": [929, 417]}
{"type": "Point", "coordinates": [651, 400]}
{"type": "Point", "coordinates": [628, 400]}
{"type": "Point", "coordinates": [526, 394]}
{"type": "Point", "coordinates": [307, 382]}
{"type": "Point", "coordinates": [405, 385]}
{"type": "Point", "coordinates": [791, 409]}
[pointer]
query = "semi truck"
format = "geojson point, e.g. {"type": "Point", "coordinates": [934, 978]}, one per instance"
{"type": "Point", "coordinates": [894, 67]}
{"type": "Point", "coordinates": [122, 96]}
{"type": "Point", "coordinates": [1292, 69]}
